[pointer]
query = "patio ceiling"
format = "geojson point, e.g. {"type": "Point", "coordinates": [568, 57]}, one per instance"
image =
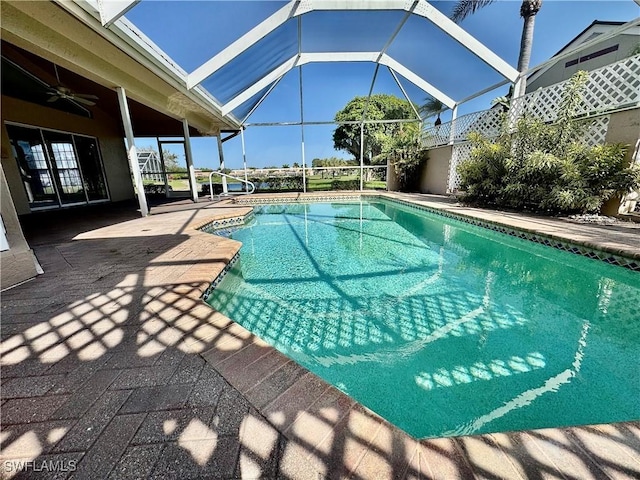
{"type": "Point", "coordinates": [301, 32]}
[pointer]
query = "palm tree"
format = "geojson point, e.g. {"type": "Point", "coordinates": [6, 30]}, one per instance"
{"type": "Point", "coordinates": [528, 11]}
{"type": "Point", "coordinates": [432, 106]}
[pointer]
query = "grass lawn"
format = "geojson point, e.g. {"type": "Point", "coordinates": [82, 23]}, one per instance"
{"type": "Point", "coordinates": [315, 183]}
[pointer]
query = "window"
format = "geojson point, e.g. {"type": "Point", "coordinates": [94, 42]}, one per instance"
{"type": "Point", "coordinates": [58, 168]}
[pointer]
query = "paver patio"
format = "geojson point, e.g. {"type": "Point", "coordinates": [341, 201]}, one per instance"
{"type": "Point", "coordinates": [113, 367]}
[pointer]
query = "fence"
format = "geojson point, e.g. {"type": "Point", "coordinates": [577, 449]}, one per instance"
{"type": "Point", "coordinates": [609, 89]}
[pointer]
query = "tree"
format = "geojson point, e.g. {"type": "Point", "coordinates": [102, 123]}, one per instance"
{"type": "Point", "coordinates": [171, 162]}
{"type": "Point", "coordinates": [431, 107]}
{"type": "Point", "coordinates": [405, 152]}
{"type": "Point", "coordinates": [285, 165]}
{"type": "Point", "coordinates": [528, 11]}
{"type": "Point", "coordinates": [378, 107]}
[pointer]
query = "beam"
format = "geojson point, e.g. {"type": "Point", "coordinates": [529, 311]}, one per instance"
{"type": "Point", "coordinates": [255, 107]}
{"type": "Point", "coordinates": [482, 92]}
{"type": "Point", "coordinates": [397, 30]}
{"type": "Point", "coordinates": [112, 10]}
{"type": "Point", "coordinates": [243, 43]}
{"type": "Point", "coordinates": [337, 57]}
{"type": "Point", "coordinates": [404, 92]}
{"type": "Point", "coordinates": [290, 64]}
{"type": "Point", "coordinates": [417, 80]}
{"type": "Point", "coordinates": [332, 122]}
{"type": "Point", "coordinates": [259, 85]}
{"type": "Point", "coordinates": [426, 10]}
{"type": "Point", "coordinates": [359, 4]}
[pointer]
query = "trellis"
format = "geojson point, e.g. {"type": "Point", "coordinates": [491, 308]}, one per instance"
{"type": "Point", "coordinates": [608, 89]}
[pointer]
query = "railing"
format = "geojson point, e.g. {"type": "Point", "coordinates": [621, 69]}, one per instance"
{"type": "Point", "coordinates": [225, 192]}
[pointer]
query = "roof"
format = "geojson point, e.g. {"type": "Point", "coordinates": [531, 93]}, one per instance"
{"type": "Point", "coordinates": [596, 28]}
{"type": "Point", "coordinates": [303, 32]}
{"type": "Point", "coordinates": [582, 36]}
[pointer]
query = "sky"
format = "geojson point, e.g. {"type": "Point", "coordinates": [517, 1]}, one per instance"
{"type": "Point", "coordinates": [191, 32]}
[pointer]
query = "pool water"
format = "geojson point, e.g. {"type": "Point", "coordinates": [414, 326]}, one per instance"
{"type": "Point", "coordinates": [438, 326]}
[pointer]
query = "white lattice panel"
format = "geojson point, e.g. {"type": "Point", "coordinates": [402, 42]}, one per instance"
{"type": "Point", "coordinates": [614, 85]}
{"type": "Point", "coordinates": [487, 123]}
{"type": "Point", "coordinates": [597, 131]}
{"type": "Point", "coordinates": [436, 136]}
{"type": "Point", "coordinates": [610, 87]}
{"type": "Point", "coordinates": [460, 153]}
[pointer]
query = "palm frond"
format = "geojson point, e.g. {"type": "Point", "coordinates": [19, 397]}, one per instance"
{"type": "Point", "coordinates": [464, 8]}
{"type": "Point", "coordinates": [431, 107]}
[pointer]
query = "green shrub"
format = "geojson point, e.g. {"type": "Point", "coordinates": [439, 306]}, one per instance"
{"type": "Point", "coordinates": [282, 183]}
{"type": "Point", "coordinates": [353, 184]}
{"type": "Point", "coordinates": [546, 167]}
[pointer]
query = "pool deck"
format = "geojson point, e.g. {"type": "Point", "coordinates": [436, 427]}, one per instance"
{"type": "Point", "coordinates": [114, 367]}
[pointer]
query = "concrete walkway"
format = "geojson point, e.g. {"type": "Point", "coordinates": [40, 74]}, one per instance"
{"type": "Point", "coordinates": [112, 367]}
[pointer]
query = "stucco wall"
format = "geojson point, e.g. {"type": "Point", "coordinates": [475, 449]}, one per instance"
{"type": "Point", "coordinates": [624, 127]}
{"type": "Point", "coordinates": [433, 177]}
{"type": "Point", "coordinates": [105, 128]}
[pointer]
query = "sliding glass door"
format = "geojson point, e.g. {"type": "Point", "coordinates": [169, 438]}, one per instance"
{"type": "Point", "coordinates": [30, 152]}
{"type": "Point", "coordinates": [58, 168]}
{"type": "Point", "coordinates": [91, 166]}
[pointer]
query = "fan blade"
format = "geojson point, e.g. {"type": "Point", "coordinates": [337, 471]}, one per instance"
{"type": "Point", "coordinates": [75, 98]}
{"type": "Point", "coordinates": [85, 95]}
{"type": "Point", "coordinates": [53, 98]}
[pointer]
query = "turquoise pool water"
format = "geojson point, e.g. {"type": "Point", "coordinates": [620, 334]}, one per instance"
{"type": "Point", "coordinates": [438, 326]}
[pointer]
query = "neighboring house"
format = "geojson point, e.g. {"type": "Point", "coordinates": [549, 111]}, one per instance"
{"type": "Point", "coordinates": [62, 125]}
{"type": "Point", "coordinates": [603, 53]}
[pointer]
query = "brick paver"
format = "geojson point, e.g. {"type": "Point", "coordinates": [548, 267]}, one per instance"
{"type": "Point", "coordinates": [111, 365]}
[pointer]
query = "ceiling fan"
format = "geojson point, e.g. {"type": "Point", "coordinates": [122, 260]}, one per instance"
{"type": "Point", "coordinates": [61, 92]}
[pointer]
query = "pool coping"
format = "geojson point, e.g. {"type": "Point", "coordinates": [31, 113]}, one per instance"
{"type": "Point", "coordinates": [303, 407]}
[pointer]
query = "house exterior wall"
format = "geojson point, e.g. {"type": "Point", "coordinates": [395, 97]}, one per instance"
{"type": "Point", "coordinates": [435, 173]}
{"type": "Point", "coordinates": [103, 127]}
{"type": "Point", "coordinates": [558, 72]}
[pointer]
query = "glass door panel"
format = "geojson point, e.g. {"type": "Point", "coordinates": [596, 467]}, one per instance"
{"type": "Point", "coordinates": [29, 151]}
{"type": "Point", "coordinates": [65, 167]}
{"type": "Point", "coordinates": [91, 166]}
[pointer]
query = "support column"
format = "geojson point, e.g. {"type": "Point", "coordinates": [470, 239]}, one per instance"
{"type": "Point", "coordinates": [304, 164]}
{"type": "Point", "coordinates": [193, 186]}
{"type": "Point", "coordinates": [221, 154]}
{"type": "Point", "coordinates": [163, 167]}
{"type": "Point", "coordinates": [362, 156]}
{"type": "Point", "coordinates": [132, 152]}
{"type": "Point", "coordinates": [244, 160]}
{"type": "Point", "coordinates": [452, 129]}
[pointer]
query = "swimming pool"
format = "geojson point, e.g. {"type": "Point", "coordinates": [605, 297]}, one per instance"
{"type": "Point", "coordinates": [441, 327]}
